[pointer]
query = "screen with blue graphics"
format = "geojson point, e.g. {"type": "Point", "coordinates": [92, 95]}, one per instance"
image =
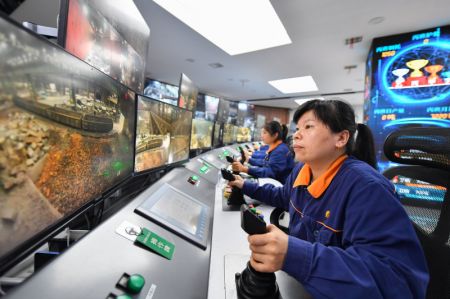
{"type": "Point", "coordinates": [407, 84]}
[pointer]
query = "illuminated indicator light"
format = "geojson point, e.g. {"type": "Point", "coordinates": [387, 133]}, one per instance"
{"type": "Point", "coordinates": [118, 166]}
{"type": "Point", "coordinates": [195, 178]}
{"type": "Point", "coordinates": [327, 214]}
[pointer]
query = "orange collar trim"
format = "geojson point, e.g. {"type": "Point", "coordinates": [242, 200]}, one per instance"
{"type": "Point", "coordinates": [273, 146]}
{"type": "Point", "coordinates": [318, 187]}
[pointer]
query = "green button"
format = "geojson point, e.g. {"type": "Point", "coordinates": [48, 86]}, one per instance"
{"type": "Point", "coordinates": [204, 169]}
{"type": "Point", "coordinates": [135, 283]}
{"type": "Point", "coordinates": [253, 210]}
{"type": "Point", "coordinates": [195, 178]}
{"type": "Point", "coordinates": [124, 296]}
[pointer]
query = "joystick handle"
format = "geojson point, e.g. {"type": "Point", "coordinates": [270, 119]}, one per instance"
{"type": "Point", "coordinates": [252, 222]}
{"type": "Point", "coordinates": [227, 175]}
{"type": "Point", "coordinates": [229, 159]}
{"type": "Point", "coordinates": [241, 150]}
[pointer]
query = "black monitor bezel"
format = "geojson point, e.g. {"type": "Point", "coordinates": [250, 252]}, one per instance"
{"type": "Point", "coordinates": [62, 22]}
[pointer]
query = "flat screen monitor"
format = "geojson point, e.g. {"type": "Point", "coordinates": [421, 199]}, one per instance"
{"type": "Point", "coordinates": [217, 137]}
{"type": "Point", "coordinates": [407, 84]}
{"type": "Point", "coordinates": [188, 92]}
{"type": "Point", "coordinates": [249, 119]}
{"type": "Point", "coordinates": [223, 111]}
{"type": "Point", "coordinates": [66, 135]}
{"type": "Point", "coordinates": [201, 135]}
{"type": "Point", "coordinates": [179, 213]}
{"type": "Point", "coordinates": [211, 107]}
{"type": "Point", "coordinates": [233, 113]}
{"type": "Point", "coordinates": [100, 33]}
{"type": "Point", "coordinates": [162, 134]}
{"type": "Point", "coordinates": [228, 131]}
{"type": "Point", "coordinates": [200, 109]}
{"type": "Point", "coordinates": [242, 113]}
{"type": "Point", "coordinates": [243, 134]}
{"type": "Point", "coordinates": [160, 91]}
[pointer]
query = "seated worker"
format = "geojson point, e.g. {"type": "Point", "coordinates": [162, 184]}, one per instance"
{"type": "Point", "coordinates": [278, 162]}
{"type": "Point", "coordinates": [260, 153]}
{"type": "Point", "coordinates": [349, 236]}
{"type": "Point", "coordinates": [258, 156]}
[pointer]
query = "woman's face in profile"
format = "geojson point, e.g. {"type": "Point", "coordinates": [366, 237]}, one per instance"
{"type": "Point", "coordinates": [266, 137]}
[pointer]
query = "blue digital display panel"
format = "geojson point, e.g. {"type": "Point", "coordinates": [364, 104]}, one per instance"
{"type": "Point", "coordinates": [407, 84]}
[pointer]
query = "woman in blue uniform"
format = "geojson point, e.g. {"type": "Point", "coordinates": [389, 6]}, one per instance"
{"type": "Point", "coordinates": [349, 236]}
{"type": "Point", "coordinates": [278, 161]}
{"type": "Point", "coordinates": [260, 153]}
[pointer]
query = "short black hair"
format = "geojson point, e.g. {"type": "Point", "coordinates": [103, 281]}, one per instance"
{"type": "Point", "coordinates": [339, 116]}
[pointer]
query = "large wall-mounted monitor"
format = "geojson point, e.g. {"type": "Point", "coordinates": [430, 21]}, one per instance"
{"type": "Point", "coordinates": [233, 113]}
{"type": "Point", "coordinates": [200, 108]}
{"type": "Point", "coordinates": [100, 33]}
{"type": "Point", "coordinates": [243, 134]}
{"type": "Point", "coordinates": [223, 111]}
{"type": "Point", "coordinates": [188, 92]}
{"type": "Point", "coordinates": [202, 132]}
{"type": "Point", "coordinates": [211, 107]}
{"type": "Point", "coordinates": [67, 133]}
{"type": "Point", "coordinates": [407, 84]}
{"type": "Point", "coordinates": [162, 134]}
{"type": "Point", "coordinates": [218, 134]}
{"type": "Point", "coordinates": [242, 114]}
{"type": "Point", "coordinates": [229, 133]}
{"type": "Point", "coordinates": [160, 91]}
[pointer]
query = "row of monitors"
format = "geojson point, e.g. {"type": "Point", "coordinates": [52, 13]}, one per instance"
{"type": "Point", "coordinates": [206, 107]}
{"type": "Point", "coordinates": [164, 134]}
{"type": "Point", "coordinates": [207, 134]}
{"type": "Point", "coordinates": [69, 134]}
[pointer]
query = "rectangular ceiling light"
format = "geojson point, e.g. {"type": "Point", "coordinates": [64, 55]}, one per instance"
{"type": "Point", "coordinates": [235, 26]}
{"type": "Point", "coordinates": [293, 85]}
{"type": "Point", "coordinates": [302, 101]}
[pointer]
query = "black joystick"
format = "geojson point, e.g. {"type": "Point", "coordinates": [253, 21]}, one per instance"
{"type": "Point", "coordinates": [241, 150]}
{"type": "Point", "coordinates": [251, 284]}
{"type": "Point", "coordinates": [251, 221]}
{"type": "Point", "coordinates": [231, 160]}
{"type": "Point", "coordinates": [237, 196]}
